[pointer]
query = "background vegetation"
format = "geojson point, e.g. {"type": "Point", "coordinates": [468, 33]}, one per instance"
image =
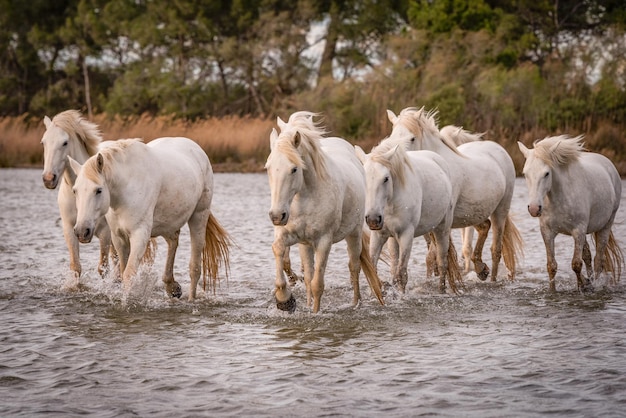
{"type": "Point", "coordinates": [221, 71]}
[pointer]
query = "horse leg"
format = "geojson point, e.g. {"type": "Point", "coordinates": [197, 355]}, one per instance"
{"type": "Point", "coordinates": [497, 231]}
{"type": "Point", "coordinates": [172, 288]}
{"type": "Point", "coordinates": [307, 258]}
{"type": "Point", "coordinates": [587, 258]}
{"type": "Point", "coordinates": [284, 299]}
{"type": "Point", "coordinates": [138, 243]}
{"type": "Point", "coordinates": [431, 257]}
{"type": "Point", "coordinates": [73, 247]}
{"type": "Point", "coordinates": [551, 264]}
{"type": "Point", "coordinates": [577, 260]}
{"type": "Point", "coordinates": [467, 235]}
{"type": "Point", "coordinates": [354, 245]}
{"type": "Point", "coordinates": [405, 243]}
{"type": "Point", "coordinates": [394, 254]}
{"type": "Point", "coordinates": [291, 275]}
{"type": "Point", "coordinates": [104, 234]}
{"type": "Point", "coordinates": [322, 251]}
{"type": "Point", "coordinates": [602, 240]}
{"type": "Point", "coordinates": [442, 240]}
{"type": "Point", "coordinates": [477, 257]}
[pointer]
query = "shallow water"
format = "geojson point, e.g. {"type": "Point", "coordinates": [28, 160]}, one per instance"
{"type": "Point", "coordinates": [504, 349]}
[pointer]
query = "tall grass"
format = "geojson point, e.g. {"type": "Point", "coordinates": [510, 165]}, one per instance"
{"type": "Point", "coordinates": [232, 143]}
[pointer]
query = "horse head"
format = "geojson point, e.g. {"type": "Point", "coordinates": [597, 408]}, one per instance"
{"type": "Point", "coordinates": [284, 170]}
{"type": "Point", "coordinates": [379, 178]}
{"type": "Point", "coordinates": [56, 148]}
{"type": "Point", "coordinates": [538, 177]}
{"type": "Point", "coordinates": [92, 195]}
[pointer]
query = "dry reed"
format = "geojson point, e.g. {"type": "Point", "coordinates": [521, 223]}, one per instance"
{"type": "Point", "coordinates": [232, 143]}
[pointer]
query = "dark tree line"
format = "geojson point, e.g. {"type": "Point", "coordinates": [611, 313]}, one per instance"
{"type": "Point", "coordinates": [518, 64]}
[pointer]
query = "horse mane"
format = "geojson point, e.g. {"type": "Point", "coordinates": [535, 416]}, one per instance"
{"type": "Point", "coordinates": [421, 122]}
{"type": "Point", "coordinates": [79, 129]}
{"type": "Point", "coordinates": [311, 132]}
{"type": "Point", "coordinates": [458, 135]}
{"type": "Point", "coordinates": [395, 164]}
{"type": "Point", "coordinates": [109, 154]}
{"type": "Point", "coordinates": [559, 150]}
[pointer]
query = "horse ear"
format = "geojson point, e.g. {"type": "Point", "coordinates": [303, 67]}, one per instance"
{"type": "Point", "coordinates": [523, 148]}
{"type": "Point", "coordinates": [75, 165]}
{"type": "Point", "coordinates": [281, 124]}
{"type": "Point", "coordinates": [360, 154]}
{"type": "Point", "coordinates": [297, 139]}
{"type": "Point", "coordinates": [392, 116]}
{"type": "Point", "coordinates": [389, 154]}
{"type": "Point", "coordinates": [47, 121]}
{"type": "Point", "coordinates": [273, 138]}
{"type": "Point", "coordinates": [100, 163]}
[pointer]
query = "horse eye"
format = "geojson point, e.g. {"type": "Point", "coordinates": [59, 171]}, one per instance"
{"type": "Point", "coordinates": [547, 174]}
{"type": "Point", "coordinates": [386, 179]}
{"type": "Point", "coordinates": [413, 139]}
{"type": "Point", "coordinates": [65, 144]}
{"type": "Point", "coordinates": [293, 170]}
{"type": "Point", "coordinates": [99, 190]}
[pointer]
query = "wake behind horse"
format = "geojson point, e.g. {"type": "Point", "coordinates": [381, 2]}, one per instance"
{"type": "Point", "coordinates": [483, 178]}
{"type": "Point", "coordinates": [69, 134]}
{"type": "Point", "coordinates": [575, 193]}
{"type": "Point", "coordinates": [152, 190]}
{"type": "Point", "coordinates": [317, 190]}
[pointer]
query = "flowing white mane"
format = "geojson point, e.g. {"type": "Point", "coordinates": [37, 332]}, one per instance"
{"type": "Point", "coordinates": [79, 129]}
{"type": "Point", "coordinates": [299, 141]}
{"type": "Point", "coordinates": [422, 123]}
{"type": "Point", "coordinates": [559, 150]}
{"type": "Point", "coordinates": [109, 154]}
{"type": "Point", "coordinates": [396, 163]}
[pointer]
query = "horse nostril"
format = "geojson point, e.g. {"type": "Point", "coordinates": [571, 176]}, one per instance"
{"type": "Point", "coordinates": [283, 216]}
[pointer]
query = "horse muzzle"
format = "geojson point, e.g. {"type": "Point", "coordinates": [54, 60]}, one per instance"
{"type": "Point", "coordinates": [83, 234]}
{"type": "Point", "coordinates": [50, 180]}
{"type": "Point", "coordinates": [279, 218]}
{"type": "Point", "coordinates": [534, 210]}
{"type": "Point", "coordinates": [374, 222]}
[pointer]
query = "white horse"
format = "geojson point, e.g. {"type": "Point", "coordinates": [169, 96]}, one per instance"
{"type": "Point", "coordinates": [317, 189]}
{"type": "Point", "coordinates": [69, 134]}
{"type": "Point", "coordinates": [483, 177]}
{"type": "Point", "coordinates": [409, 194]}
{"type": "Point", "coordinates": [459, 136]}
{"type": "Point", "coordinates": [151, 190]}
{"type": "Point", "coordinates": [574, 193]}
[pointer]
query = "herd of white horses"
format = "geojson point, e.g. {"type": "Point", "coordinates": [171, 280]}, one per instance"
{"type": "Point", "coordinates": [419, 181]}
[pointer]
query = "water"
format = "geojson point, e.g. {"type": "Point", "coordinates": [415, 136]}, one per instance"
{"type": "Point", "coordinates": [505, 349]}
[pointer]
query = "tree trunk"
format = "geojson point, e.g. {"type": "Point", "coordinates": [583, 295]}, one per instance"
{"type": "Point", "coordinates": [87, 89]}
{"type": "Point", "coordinates": [332, 35]}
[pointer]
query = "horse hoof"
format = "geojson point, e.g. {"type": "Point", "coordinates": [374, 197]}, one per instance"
{"type": "Point", "coordinates": [177, 291]}
{"type": "Point", "coordinates": [483, 274]}
{"type": "Point", "coordinates": [289, 305]}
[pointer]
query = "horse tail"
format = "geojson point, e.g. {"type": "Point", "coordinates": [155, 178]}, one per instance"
{"type": "Point", "coordinates": [216, 251]}
{"type": "Point", "coordinates": [368, 269]}
{"type": "Point", "coordinates": [454, 274]}
{"type": "Point", "coordinates": [613, 256]}
{"type": "Point", "coordinates": [512, 246]}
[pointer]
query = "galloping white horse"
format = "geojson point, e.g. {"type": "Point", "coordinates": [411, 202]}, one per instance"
{"type": "Point", "coordinates": [69, 134]}
{"type": "Point", "coordinates": [150, 190]}
{"type": "Point", "coordinates": [574, 193]}
{"type": "Point", "coordinates": [409, 194]}
{"type": "Point", "coordinates": [317, 189]}
{"type": "Point", "coordinates": [483, 177]}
